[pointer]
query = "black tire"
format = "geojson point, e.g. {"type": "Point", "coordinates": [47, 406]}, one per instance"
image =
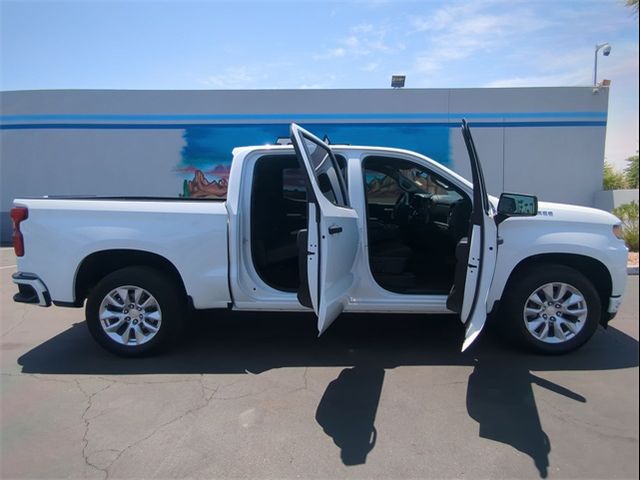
{"type": "Point", "coordinates": [527, 282]}
{"type": "Point", "coordinates": [168, 295]}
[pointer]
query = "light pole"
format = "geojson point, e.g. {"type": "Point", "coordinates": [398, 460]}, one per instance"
{"type": "Point", "coordinates": [606, 50]}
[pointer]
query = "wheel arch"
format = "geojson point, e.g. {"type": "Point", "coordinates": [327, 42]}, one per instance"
{"type": "Point", "coordinates": [592, 268]}
{"type": "Point", "coordinates": [97, 265]}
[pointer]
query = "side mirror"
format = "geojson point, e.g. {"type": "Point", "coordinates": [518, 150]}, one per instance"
{"type": "Point", "coordinates": [517, 205]}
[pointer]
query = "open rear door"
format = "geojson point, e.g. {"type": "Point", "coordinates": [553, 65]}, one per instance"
{"type": "Point", "coordinates": [332, 236]}
{"type": "Point", "coordinates": [479, 254]}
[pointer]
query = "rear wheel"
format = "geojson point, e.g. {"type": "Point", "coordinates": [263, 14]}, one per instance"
{"type": "Point", "coordinates": [551, 309]}
{"type": "Point", "coordinates": [135, 311]}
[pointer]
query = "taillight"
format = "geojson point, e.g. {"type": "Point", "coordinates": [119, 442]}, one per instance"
{"type": "Point", "coordinates": [18, 214]}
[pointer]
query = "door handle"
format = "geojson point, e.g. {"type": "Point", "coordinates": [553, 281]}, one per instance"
{"type": "Point", "coordinates": [334, 229]}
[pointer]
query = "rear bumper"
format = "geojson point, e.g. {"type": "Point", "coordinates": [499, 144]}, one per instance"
{"type": "Point", "coordinates": [31, 289]}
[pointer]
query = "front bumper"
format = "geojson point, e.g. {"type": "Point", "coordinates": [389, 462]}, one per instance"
{"type": "Point", "coordinates": [31, 289]}
{"type": "Point", "coordinates": [614, 304]}
{"type": "Point", "coordinates": [612, 310]}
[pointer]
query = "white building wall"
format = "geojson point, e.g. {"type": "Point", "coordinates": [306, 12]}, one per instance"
{"type": "Point", "coordinates": [610, 199]}
{"type": "Point", "coordinates": [546, 141]}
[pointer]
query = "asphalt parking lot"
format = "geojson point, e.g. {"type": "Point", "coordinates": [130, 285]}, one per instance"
{"type": "Point", "coordinates": [259, 396]}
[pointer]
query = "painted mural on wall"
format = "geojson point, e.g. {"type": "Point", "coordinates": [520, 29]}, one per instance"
{"type": "Point", "coordinates": [206, 156]}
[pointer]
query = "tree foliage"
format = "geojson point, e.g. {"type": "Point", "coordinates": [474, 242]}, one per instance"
{"type": "Point", "coordinates": [612, 179]}
{"type": "Point", "coordinates": [631, 172]}
{"type": "Point", "coordinates": [633, 5]}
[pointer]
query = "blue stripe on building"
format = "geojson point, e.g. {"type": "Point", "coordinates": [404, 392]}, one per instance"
{"type": "Point", "coordinates": [298, 116]}
{"type": "Point", "coordinates": [174, 126]}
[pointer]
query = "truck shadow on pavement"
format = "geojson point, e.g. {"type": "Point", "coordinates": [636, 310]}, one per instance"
{"type": "Point", "coordinates": [499, 393]}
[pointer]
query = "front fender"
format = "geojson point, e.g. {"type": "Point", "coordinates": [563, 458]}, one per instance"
{"type": "Point", "coordinates": [521, 240]}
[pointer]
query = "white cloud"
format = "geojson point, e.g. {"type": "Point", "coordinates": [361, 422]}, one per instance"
{"type": "Point", "coordinates": [460, 30]}
{"type": "Point", "coordinates": [326, 82]}
{"type": "Point", "coordinates": [312, 86]}
{"type": "Point", "coordinates": [363, 28]}
{"type": "Point", "coordinates": [427, 64]}
{"type": "Point", "coordinates": [370, 67]}
{"type": "Point", "coordinates": [562, 80]}
{"type": "Point", "coordinates": [234, 77]}
{"type": "Point", "coordinates": [331, 53]}
{"type": "Point", "coordinates": [352, 42]}
{"type": "Point", "coordinates": [362, 40]}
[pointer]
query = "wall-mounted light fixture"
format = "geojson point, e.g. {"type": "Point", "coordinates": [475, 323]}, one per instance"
{"type": "Point", "coordinates": [397, 81]}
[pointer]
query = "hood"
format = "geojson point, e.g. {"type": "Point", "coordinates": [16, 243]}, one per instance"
{"type": "Point", "coordinates": [570, 213]}
{"type": "Point", "coordinates": [576, 213]}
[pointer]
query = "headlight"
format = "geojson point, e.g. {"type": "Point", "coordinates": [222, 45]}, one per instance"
{"type": "Point", "coordinates": [617, 231]}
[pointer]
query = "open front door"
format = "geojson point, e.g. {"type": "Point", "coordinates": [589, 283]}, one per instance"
{"type": "Point", "coordinates": [478, 254]}
{"type": "Point", "coordinates": [332, 235]}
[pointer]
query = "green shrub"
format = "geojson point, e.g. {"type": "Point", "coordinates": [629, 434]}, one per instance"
{"type": "Point", "coordinates": [612, 179]}
{"type": "Point", "coordinates": [628, 213]}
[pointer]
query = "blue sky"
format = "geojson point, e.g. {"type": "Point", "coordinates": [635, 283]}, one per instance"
{"type": "Point", "coordinates": [241, 44]}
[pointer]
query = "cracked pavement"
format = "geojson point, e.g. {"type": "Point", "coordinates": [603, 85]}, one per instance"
{"type": "Point", "coordinates": [259, 396]}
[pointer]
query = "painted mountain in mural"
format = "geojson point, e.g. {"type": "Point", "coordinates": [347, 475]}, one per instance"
{"type": "Point", "coordinates": [200, 187]}
{"type": "Point", "coordinates": [382, 186]}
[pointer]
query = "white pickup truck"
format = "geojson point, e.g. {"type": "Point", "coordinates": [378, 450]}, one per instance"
{"type": "Point", "coordinates": [328, 228]}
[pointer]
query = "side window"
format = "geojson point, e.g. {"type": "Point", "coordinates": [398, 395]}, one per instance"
{"type": "Point", "coordinates": [326, 170]}
{"type": "Point", "coordinates": [388, 178]}
{"type": "Point", "coordinates": [381, 188]}
{"type": "Point", "coordinates": [429, 183]}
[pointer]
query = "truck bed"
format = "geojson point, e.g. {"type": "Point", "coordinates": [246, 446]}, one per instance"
{"type": "Point", "coordinates": [128, 198]}
{"type": "Point", "coordinates": [62, 232]}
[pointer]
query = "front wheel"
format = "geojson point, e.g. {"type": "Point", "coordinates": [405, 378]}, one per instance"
{"type": "Point", "coordinates": [135, 311]}
{"type": "Point", "coordinates": [551, 309]}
